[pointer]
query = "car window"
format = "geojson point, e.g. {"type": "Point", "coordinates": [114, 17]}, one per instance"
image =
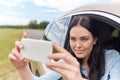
{"type": "Point", "coordinates": [57, 30]}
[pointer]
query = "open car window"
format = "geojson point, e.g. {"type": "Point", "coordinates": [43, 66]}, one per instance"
{"type": "Point", "coordinates": [57, 30]}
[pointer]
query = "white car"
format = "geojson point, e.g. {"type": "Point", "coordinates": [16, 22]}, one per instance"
{"type": "Point", "coordinates": [108, 12]}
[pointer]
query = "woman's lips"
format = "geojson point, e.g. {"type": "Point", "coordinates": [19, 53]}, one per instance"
{"type": "Point", "coordinates": [79, 51]}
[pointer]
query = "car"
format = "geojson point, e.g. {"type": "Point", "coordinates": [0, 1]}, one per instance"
{"type": "Point", "coordinates": [108, 12]}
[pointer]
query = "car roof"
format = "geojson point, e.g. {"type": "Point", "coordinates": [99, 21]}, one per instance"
{"type": "Point", "coordinates": [108, 12]}
{"type": "Point", "coordinates": [110, 7]}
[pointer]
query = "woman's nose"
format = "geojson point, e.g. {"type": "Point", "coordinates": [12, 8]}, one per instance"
{"type": "Point", "coordinates": [78, 44]}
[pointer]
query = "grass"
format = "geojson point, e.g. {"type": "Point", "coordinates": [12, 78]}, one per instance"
{"type": "Point", "coordinates": [7, 38]}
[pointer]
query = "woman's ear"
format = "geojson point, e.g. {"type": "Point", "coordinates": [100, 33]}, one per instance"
{"type": "Point", "coordinates": [95, 40]}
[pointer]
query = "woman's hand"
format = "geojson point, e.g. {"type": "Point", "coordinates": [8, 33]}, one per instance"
{"type": "Point", "coordinates": [19, 62]}
{"type": "Point", "coordinates": [70, 69]}
{"type": "Point", "coordinates": [16, 58]}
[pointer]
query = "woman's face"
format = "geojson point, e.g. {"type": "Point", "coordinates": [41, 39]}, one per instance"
{"type": "Point", "coordinates": [81, 42]}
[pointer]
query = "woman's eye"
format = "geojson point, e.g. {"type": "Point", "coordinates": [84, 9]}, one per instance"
{"type": "Point", "coordinates": [84, 39]}
{"type": "Point", "coordinates": [72, 38]}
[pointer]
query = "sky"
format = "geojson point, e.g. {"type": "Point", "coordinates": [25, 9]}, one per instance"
{"type": "Point", "coordinates": [21, 12]}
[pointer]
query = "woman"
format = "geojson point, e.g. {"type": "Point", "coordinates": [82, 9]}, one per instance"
{"type": "Point", "coordinates": [87, 54]}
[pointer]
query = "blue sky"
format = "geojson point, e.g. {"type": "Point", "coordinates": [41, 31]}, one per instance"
{"type": "Point", "coordinates": [20, 12]}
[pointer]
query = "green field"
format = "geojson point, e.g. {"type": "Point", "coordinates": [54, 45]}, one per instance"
{"type": "Point", "coordinates": [7, 38]}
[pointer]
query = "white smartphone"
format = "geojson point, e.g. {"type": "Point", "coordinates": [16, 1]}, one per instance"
{"type": "Point", "coordinates": [36, 50]}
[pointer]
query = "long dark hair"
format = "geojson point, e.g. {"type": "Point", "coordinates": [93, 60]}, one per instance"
{"type": "Point", "coordinates": [96, 61]}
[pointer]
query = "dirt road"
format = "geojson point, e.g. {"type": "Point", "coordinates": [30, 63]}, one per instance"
{"type": "Point", "coordinates": [35, 34]}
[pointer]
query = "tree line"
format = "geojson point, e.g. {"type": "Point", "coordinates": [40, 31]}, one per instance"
{"type": "Point", "coordinates": [33, 24]}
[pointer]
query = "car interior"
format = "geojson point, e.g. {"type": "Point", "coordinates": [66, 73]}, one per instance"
{"type": "Point", "coordinates": [115, 32]}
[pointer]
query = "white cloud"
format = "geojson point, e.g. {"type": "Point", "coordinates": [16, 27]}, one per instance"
{"type": "Point", "coordinates": [53, 11]}
{"type": "Point", "coordinates": [11, 20]}
{"type": "Point", "coordinates": [7, 3]}
{"type": "Point", "coordinates": [62, 5]}
{"type": "Point", "coordinates": [10, 3]}
{"type": "Point", "coordinates": [8, 13]}
{"type": "Point", "coordinates": [114, 0]}
{"type": "Point", "coordinates": [19, 1]}
{"type": "Point", "coordinates": [22, 6]}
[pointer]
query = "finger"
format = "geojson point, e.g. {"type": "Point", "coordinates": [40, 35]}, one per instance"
{"type": "Point", "coordinates": [14, 60]}
{"type": "Point", "coordinates": [61, 68]}
{"type": "Point", "coordinates": [68, 58]}
{"type": "Point", "coordinates": [58, 65]}
{"type": "Point", "coordinates": [18, 45]}
{"type": "Point", "coordinates": [17, 54]}
{"type": "Point", "coordinates": [11, 57]}
{"type": "Point", "coordinates": [59, 49]}
{"type": "Point", "coordinates": [17, 62]}
{"type": "Point", "coordinates": [25, 35]}
{"type": "Point", "coordinates": [25, 60]}
{"type": "Point", "coordinates": [14, 57]}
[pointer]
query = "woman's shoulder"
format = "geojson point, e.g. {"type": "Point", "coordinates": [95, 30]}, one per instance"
{"type": "Point", "coordinates": [111, 56]}
{"type": "Point", "coordinates": [112, 53]}
{"type": "Point", "coordinates": [112, 60]}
